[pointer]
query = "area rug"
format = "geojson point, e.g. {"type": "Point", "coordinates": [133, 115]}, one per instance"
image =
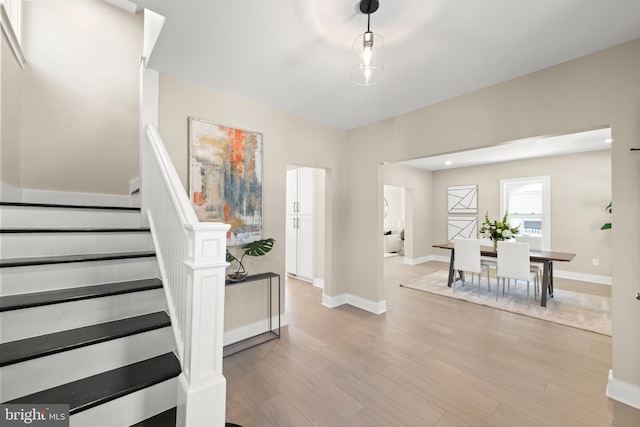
{"type": "Point", "coordinates": [578, 310]}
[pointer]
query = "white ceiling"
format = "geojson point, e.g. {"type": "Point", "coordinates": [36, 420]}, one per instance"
{"type": "Point", "coordinates": [294, 55]}
{"type": "Point", "coordinates": [594, 140]}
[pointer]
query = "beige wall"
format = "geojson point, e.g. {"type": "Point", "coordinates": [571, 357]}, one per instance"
{"type": "Point", "coordinates": [11, 90]}
{"type": "Point", "coordinates": [287, 139]}
{"type": "Point", "coordinates": [80, 108]}
{"type": "Point", "coordinates": [580, 191]}
{"type": "Point", "coordinates": [596, 90]}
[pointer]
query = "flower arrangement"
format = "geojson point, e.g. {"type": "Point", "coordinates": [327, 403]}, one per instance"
{"type": "Point", "coordinates": [497, 230]}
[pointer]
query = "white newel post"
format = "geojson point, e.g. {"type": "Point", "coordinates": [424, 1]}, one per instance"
{"type": "Point", "coordinates": [202, 391]}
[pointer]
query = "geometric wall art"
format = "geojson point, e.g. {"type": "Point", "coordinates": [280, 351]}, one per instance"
{"type": "Point", "coordinates": [462, 227]}
{"type": "Point", "coordinates": [462, 199]}
{"type": "Point", "coordinates": [225, 178]}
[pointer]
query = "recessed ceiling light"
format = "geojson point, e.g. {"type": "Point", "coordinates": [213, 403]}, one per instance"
{"type": "Point", "coordinates": [608, 140]}
{"type": "Point", "coordinates": [448, 162]}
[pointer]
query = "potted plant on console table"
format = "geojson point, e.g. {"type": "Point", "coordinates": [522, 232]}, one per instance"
{"type": "Point", "coordinates": [257, 248]}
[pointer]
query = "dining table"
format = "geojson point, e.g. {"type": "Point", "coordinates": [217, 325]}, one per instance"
{"type": "Point", "coordinates": [546, 258]}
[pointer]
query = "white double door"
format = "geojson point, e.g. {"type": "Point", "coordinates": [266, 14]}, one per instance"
{"type": "Point", "coordinates": [300, 223]}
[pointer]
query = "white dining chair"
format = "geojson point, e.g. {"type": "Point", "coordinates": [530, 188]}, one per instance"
{"type": "Point", "coordinates": [535, 243]}
{"type": "Point", "coordinates": [467, 259]}
{"type": "Point", "coordinates": [513, 263]}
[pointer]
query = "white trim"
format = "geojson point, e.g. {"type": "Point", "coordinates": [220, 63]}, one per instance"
{"type": "Point", "coordinates": [68, 198]}
{"type": "Point", "coordinates": [546, 203]}
{"type": "Point", "coordinates": [333, 302]}
{"type": "Point", "coordinates": [629, 394]}
{"type": "Point", "coordinates": [605, 280]}
{"type": "Point", "coordinates": [134, 185]}
{"type": "Point", "coordinates": [318, 283]}
{"type": "Point", "coordinates": [356, 301]}
{"type": "Point", "coordinates": [252, 329]}
{"type": "Point", "coordinates": [12, 38]}
{"type": "Point", "coordinates": [125, 5]}
{"type": "Point", "coordinates": [10, 193]}
{"type": "Point", "coordinates": [416, 261]}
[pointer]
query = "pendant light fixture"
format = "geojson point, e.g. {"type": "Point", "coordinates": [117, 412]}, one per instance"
{"type": "Point", "coordinates": [366, 51]}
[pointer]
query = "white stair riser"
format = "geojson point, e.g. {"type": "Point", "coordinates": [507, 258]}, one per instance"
{"type": "Point", "coordinates": [60, 368]}
{"type": "Point", "coordinates": [18, 245]}
{"type": "Point", "coordinates": [18, 280]}
{"type": "Point", "coordinates": [25, 216]}
{"type": "Point", "coordinates": [30, 322]}
{"type": "Point", "coordinates": [130, 409]}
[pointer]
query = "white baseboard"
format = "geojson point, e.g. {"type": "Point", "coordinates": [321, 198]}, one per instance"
{"type": "Point", "coordinates": [356, 301]}
{"type": "Point", "coordinates": [623, 392]}
{"type": "Point", "coordinates": [63, 197]}
{"type": "Point", "coordinates": [252, 329]}
{"type": "Point", "coordinates": [10, 193]}
{"type": "Point", "coordinates": [605, 280]}
{"type": "Point", "coordinates": [318, 283]}
{"type": "Point", "coordinates": [416, 261]}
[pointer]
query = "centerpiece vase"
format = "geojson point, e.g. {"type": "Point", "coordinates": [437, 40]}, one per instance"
{"type": "Point", "coordinates": [495, 245]}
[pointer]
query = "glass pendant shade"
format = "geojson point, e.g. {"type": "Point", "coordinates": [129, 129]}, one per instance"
{"type": "Point", "coordinates": [366, 51]}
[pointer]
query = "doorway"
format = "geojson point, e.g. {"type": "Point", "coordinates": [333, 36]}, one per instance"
{"type": "Point", "coordinates": [305, 224]}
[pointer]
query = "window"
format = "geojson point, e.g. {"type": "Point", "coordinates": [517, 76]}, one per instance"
{"type": "Point", "coordinates": [528, 202]}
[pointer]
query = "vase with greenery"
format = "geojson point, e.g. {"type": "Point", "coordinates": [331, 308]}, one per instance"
{"type": "Point", "coordinates": [257, 248]}
{"type": "Point", "coordinates": [498, 230]}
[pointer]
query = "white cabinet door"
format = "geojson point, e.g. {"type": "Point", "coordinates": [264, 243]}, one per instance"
{"type": "Point", "coordinates": [292, 191]}
{"type": "Point", "coordinates": [305, 191]}
{"type": "Point", "coordinates": [305, 247]}
{"type": "Point", "coordinates": [291, 237]}
{"type": "Point", "coordinates": [300, 245]}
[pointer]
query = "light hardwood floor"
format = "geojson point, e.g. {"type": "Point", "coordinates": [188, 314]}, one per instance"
{"type": "Point", "coordinates": [428, 361]}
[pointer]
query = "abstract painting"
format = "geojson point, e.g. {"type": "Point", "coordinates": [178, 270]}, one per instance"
{"type": "Point", "coordinates": [464, 227]}
{"type": "Point", "coordinates": [462, 199]}
{"type": "Point", "coordinates": [225, 178]}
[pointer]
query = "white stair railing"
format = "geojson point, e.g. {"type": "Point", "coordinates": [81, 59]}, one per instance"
{"type": "Point", "coordinates": [191, 256]}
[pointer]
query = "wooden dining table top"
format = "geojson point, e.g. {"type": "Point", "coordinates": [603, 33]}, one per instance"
{"type": "Point", "coordinates": [535, 255]}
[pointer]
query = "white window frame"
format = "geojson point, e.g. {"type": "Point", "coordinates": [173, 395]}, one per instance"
{"type": "Point", "coordinates": [546, 203]}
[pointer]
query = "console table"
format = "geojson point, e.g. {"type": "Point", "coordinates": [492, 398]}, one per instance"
{"type": "Point", "coordinates": [261, 338]}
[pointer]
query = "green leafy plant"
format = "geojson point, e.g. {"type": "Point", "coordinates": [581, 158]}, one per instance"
{"type": "Point", "coordinates": [498, 230]}
{"type": "Point", "coordinates": [258, 248]}
{"type": "Point", "coordinates": [609, 209]}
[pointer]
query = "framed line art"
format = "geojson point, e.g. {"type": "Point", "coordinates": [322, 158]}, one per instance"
{"type": "Point", "coordinates": [462, 199]}
{"type": "Point", "coordinates": [225, 178]}
{"type": "Point", "coordinates": [464, 227]}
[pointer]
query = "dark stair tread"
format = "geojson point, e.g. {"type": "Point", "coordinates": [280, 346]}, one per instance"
{"type": "Point", "coordinates": [163, 419]}
{"type": "Point", "coordinates": [33, 230]}
{"type": "Point", "coordinates": [56, 205]}
{"type": "Point", "coordinates": [45, 345]}
{"type": "Point", "coordinates": [167, 419]}
{"type": "Point", "coordinates": [63, 259]}
{"type": "Point", "coordinates": [92, 391]}
{"type": "Point", "coordinates": [57, 296]}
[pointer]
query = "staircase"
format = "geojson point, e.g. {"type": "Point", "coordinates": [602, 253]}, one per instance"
{"type": "Point", "coordinates": [82, 315]}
